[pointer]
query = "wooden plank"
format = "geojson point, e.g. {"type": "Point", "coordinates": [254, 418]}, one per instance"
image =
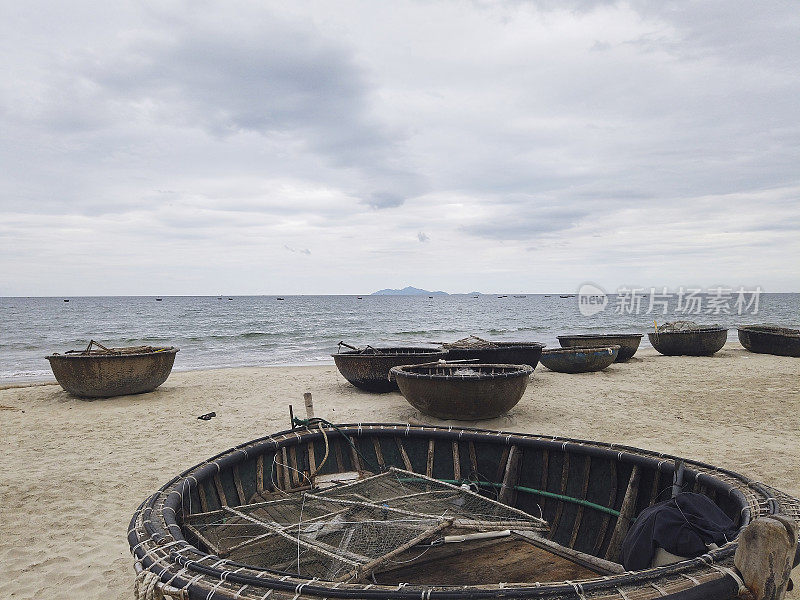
{"type": "Point", "coordinates": [473, 460]}
{"type": "Point", "coordinates": [562, 491]}
{"type": "Point", "coordinates": [508, 493]}
{"type": "Point", "coordinates": [626, 515]}
{"type": "Point", "coordinates": [456, 463]}
{"type": "Point", "coordinates": [295, 470]}
{"type": "Point", "coordinates": [312, 459]}
{"type": "Point", "coordinates": [260, 473]}
{"type": "Point", "coordinates": [202, 493]}
{"type": "Point", "coordinates": [543, 485]}
{"type": "Point", "coordinates": [431, 454]}
{"type": "Point", "coordinates": [337, 452]}
{"type": "Point", "coordinates": [354, 455]}
{"type": "Point", "coordinates": [612, 498]}
{"type": "Point", "coordinates": [654, 491]}
{"type": "Point", "coordinates": [501, 465]}
{"type": "Point", "coordinates": [404, 455]}
{"type": "Point", "coordinates": [287, 479]}
{"type": "Point", "coordinates": [510, 559]}
{"type": "Point", "coordinates": [579, 516]}
{"type": "Point", "coordinates": [376, 443]}
{"type": "Point", "coordinates": [598, 565]}
{"type": "Point", "coordinates": [237, 480]}
{"type": "Point", "coordinates": [220, 490]}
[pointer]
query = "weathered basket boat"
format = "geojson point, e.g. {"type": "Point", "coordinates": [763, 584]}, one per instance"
{"type": "Point", "coordinates": [684, 338]}
{"type": "Point", "coordinates": [579, 360]}
{"type": "Point", "coordinates": [469, 392]}
{"type": "Point", "coordinates": [106, 372]}
{"type": "Point", "coordinates": [628, 342]}
{"type": "Point", "coordinates": [488, 352]}
{"type": "Point", "coordinates": [247, 523]}
{"type": "Point", "coordinates": [770, 339]}
{"type": "Point", "coordinates": [368, 368]}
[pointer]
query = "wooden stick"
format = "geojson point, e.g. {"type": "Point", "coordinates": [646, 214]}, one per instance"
{"type": "Point", "coordinates": [314, 547]}
{"type": "Point", "coordinates": [364, 571]}
{"type": "Point", "coordinates": [404, 455]}
{"type": "Point", "coordinates": [456, 462]}
{"type": "Point", "coordinates": [431, 453]}
{"type": "Point", "coordinates": [309, 402]}
{"type": "Point", "coordinates": [545, 457]}
{"type": "Point", "coordinates": [378, 452]}
{"type": "Point", "coordinates": [260, 473]}
{"type": "Point", "coordinates": [237, 480]}
{"type": "Point", "coordinates": [579, 516]}
{"type": "Point", "coordinates": [204, 539]}
{"type": "Point", "coordinates": [612, 498]}
{"type": "Point", "coordinates": [507, 490]}
{"type": "Point", "coordinates": [626, 514]}
{"type": "Point", "coordinates": [563, 491]}
{"type": "Point", "coordinates": [220, 490]}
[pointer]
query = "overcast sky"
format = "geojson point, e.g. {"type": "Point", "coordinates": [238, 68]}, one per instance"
{"type": "Point", "coordinates": [342, 147]}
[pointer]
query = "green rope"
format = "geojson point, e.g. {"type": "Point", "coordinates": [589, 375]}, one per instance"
{"type": "Point", "coordinates": [534, 491]}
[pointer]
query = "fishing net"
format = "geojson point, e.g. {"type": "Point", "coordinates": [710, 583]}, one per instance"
{"type": "Point", "coordinates": [346, 532]}
{"type": "Point", "coordinates": [678, 326]}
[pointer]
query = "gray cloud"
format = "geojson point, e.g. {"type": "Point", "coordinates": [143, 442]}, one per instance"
{"type": "Point", "coordinates": [496, 128]}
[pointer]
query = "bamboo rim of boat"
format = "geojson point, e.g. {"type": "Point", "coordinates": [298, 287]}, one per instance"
{"type": "Point", "coordinates": [486, 371]}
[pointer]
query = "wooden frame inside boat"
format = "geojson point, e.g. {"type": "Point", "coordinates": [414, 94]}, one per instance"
{"type": "Point", "coordinates": [588, 492]}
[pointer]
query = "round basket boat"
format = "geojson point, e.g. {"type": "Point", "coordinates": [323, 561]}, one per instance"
{"type": "Point", "coordinates": [498, 353]}
{"type": "Point", "coordinates": [770, 339]}
{"type": "Point", "coordinates": [628, 342]}
{"type": "Point", "coordinates": [469, 392]}
{"type": "Point", "coordinates": [579, 360]}
{"type": "Point", "coordinates": [368, 369]}
{"type": "Point", "coordinates": [264, 520]}
{"type": "Point", "coordinates": [703, 341]}
{"type": "Point", "coordinates": [107, 372]}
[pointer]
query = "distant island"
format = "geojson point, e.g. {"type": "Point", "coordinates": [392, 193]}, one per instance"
{"type": "Point", "coordinates": [408, 291]}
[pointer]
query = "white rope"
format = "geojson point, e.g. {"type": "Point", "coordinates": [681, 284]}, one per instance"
{"type": "Point", "coordinates": [146, 586]}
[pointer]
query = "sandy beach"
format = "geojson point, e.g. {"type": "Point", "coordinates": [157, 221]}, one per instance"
{"type": "Point", "coordinates": [73, 471]}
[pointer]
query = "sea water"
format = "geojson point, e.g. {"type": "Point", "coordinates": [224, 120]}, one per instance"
{"type": "Point", "coordinates": [228, 331]}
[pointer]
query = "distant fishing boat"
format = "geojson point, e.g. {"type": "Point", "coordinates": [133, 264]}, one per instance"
{"type": "Point", "coordinates": [279, 298]}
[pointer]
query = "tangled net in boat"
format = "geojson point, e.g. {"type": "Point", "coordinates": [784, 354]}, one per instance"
{"type": "Point", "coordinates": [676, 326]}
{"type": "Point", "coordinates": [344, 533]}
{"type": "Point", "coordinates": [472, 341]}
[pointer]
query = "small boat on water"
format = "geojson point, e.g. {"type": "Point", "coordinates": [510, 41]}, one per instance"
{"type": "Point", "coordinates": [100, 372]}
{"type": "Point", "coordinates": [467, 392]}
{"type": "Point", "coordinates": [770, 339]}
{"type": "Point", "coordinates": [368, 368]}
{"type": "Point", "coordinates": [687, 338]}
{"type": "Point", "coordinates": [403, 512]}
{"type": "Point", "coordinates": [579, 360]}
{"type": "Point", "coordinates": [491, 352]}
{"type": "Point", "coordinates": [628, 342]}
